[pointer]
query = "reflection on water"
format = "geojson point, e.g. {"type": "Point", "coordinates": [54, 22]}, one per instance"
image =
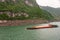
{"type": "Point", "coordinates": [20, 33]}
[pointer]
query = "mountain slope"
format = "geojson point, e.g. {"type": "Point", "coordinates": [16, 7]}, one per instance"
{"type": "Point", "coordinates": [24, 9]}
{"type": "Point", "coordinates": [54, 11]}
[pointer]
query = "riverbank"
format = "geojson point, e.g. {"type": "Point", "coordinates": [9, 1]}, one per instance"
{"type": "Point", "coordinates": [20, 22]}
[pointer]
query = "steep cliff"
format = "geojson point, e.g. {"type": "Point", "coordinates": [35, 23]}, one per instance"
{"type": "Point", "coordinates": [23, 9]}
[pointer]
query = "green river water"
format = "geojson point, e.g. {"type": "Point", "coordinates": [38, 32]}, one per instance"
{"type": "Point", "coordinates": [20, 33]}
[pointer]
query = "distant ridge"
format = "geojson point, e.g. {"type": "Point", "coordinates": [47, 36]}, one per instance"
{"type": "Point", "coordinates": [54, 11]}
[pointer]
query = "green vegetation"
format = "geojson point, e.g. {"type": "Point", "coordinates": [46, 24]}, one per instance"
{"type": "Point", "coordinates": [54, 11]}
{"type": "Point", "coordinates": [34, 12]}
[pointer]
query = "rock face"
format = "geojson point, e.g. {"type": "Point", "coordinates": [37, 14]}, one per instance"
{"type": "Point", "coordinates": [31, 2]}
{"type": "Point", "coordinates": [3, 21]}
{"type": "Point", "coordinates": [21, 22]}
{"type": "Point", "coordinates": [28, 3]}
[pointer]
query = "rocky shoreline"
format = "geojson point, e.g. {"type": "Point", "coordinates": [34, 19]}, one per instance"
{"type": "Point", "coordinates": [20, 22]}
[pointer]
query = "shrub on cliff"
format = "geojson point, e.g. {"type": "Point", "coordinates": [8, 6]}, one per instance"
{"type": "Point", "coordinates": [4, 17]}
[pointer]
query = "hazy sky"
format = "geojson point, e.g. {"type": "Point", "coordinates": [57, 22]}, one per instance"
{"type": "Point", "coordinates": [51, 3]}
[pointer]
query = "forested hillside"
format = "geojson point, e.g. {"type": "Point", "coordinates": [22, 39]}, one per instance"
{"type": "Point", "coordinates": [54, 11]}
{"type": "Point", "coordinates": [22, 9]}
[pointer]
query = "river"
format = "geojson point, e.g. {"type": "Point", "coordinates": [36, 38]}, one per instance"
{"type": "Point", "coordinates": [20, 33]}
